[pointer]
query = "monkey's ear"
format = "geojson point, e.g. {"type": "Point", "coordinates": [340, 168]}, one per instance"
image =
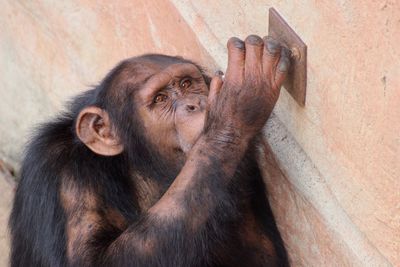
{"type": "Point", "coordinates": [94, 129]}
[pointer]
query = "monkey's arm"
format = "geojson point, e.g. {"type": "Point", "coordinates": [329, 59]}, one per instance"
{"type": "Point", "coordinates": [181, 229]}
{"type": "Point", "coordinates": [191, 217]}
{"type": "Point", "coordinates": [198, 212]}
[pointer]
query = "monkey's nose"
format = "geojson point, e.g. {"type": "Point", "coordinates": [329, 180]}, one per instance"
{"type": "Point", "coordinates": [194, 104]}
{"type": "Point", "coordinates": [192, 107]}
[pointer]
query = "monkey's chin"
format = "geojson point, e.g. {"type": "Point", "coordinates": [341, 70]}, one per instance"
{"type": "Point", "coordinates": [178, 150]}
{"type": "Point", "coordinates": [186, 149]}
{"type": "Point", "coordinates": [185, 146]}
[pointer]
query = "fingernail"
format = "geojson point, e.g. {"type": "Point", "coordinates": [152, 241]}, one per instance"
{"type": "Point", "coordinates": [273, 46]}
{"type": "Point", "coordinates": [283, 65]}
{"type": "Point", "coordinates": [254, 40]}
{"type": "Point", "coordinates": [238, 43]}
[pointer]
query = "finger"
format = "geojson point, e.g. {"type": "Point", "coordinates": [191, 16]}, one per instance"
{"type": "Point", "coordinates": [272, 49]}
{"type": "Point", "coordinates": [283, 67]}
{"type": "Point", "coordinates": [236, 55]}
{"type": "Point", "coordinates": [254, 54]}
{"type": "Point", "coordinates": [215, 86]}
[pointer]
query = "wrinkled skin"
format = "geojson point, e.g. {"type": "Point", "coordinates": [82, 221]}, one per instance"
{"type": "Point", "coordinates": [155, 167]}
{"type": "Point", "coordinates": [173, 102]}
{"type": "Point", "coordinates": [241, 104]}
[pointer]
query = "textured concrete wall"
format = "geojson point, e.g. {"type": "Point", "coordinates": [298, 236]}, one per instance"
{"type": "Point", "coordinates": [336, 192]}
{"type": "Point", "coordinates": [349, 130]}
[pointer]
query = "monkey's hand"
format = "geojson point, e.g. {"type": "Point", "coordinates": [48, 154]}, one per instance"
{"type": "Point", "coordinates": [240, 105]}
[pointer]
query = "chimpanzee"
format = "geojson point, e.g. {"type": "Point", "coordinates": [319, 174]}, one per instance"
{"type": "Point", "coordinates": [155, 166]}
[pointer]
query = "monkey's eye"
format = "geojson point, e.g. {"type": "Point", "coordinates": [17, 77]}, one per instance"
{"type": "Point", "coordinates": [160, 98]}
{"type": "Point", "coordinates": [185, 83]}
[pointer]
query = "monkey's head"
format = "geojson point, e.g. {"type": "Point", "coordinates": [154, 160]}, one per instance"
{"type": "Point", "coordinates": [152, 106]}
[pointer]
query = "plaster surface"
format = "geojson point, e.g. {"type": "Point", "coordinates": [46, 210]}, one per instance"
{"type": "Point", "coordinates": [349, 128]}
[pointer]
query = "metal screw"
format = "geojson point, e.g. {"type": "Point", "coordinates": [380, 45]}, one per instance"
{"type": "Point", "coordinates": [295, 53]}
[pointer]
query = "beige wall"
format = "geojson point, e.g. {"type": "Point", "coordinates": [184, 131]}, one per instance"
{"type": "Point", "coordinates": [337, 192]}
{"type": "Point", "coordinates": [347, 168]}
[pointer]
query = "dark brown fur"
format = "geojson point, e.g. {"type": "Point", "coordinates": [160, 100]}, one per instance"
{"type": "Point", "coordinates": [154, 167]}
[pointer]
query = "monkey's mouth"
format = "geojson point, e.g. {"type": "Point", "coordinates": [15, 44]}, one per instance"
{"type": "Point", "coordinates": [178, 150]}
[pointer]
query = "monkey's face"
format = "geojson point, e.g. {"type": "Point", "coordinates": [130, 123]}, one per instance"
{"type": "Point", "coordinates": [172, 106]}
{"type": "Point", "coordinates": [169, 102]}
